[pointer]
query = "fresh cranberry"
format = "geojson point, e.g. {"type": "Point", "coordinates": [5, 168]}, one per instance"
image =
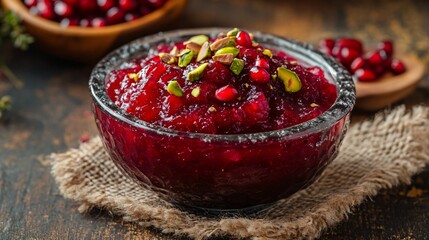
{"type": "Point", "coordinates": [387, 46]}
{"type": "Point", "coordinates": [397, 67]}
{"type": "Point", "coordinates": [243, 39]}
{"type": "Point", "coordinates": [85, 22]}
{"type": "Point", "coordinates": [115, 15]}
{"type": "Point", "coordinates": [88, 6]}
{"type": "Point", "coordinates": [262, 62]}
{"type": "Point", "coordinates": [347, 55]}
{"type": "Point", "coordinates": [46, 9]}
{"type": "Point", "coordinates": [62, 9]}
{"type": "Point", "coordinates": [327, 43]}
{"type": "Point", "coordinates": [127, 5]}
{"type": "Point", "coordinates": [98, 22]}
{"type": "Point", "coordinates": [217, 73]}
{"type": "Point", "coordinates": [350, 43]}
{"type": "Point", "coordinates": [358, 63]}
{"type": "Point", "coordinates": [365, 75]}
{"type": "Point", "coordinates": [68, 22]}
{"type": "Point", "coordinates": [259, 74]}
{"type": "Point", "coordinates": [131, 17]}
{"type": "Point", "coordinates": [377, 58]}
{"type": "Point", "coordinates": [226, 93]}
{"type": "Point", "coordinates": [105, 5]}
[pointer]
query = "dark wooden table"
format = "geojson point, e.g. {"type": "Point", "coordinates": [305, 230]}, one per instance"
{"type": "Point", "coordinates": [51, 112]}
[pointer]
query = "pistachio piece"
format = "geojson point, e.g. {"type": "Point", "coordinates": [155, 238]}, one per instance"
{"type": "Point", "coordinates": [268, 53]}
{"type": "Point", "coordinates": [255, 44]}
{"type": "Point", "coordinates": [174, 51]}
{"type": "Point", "coordinates": [196, 74]}
{"type": "Point", "coordinates": [224, 50]}
{"type": "Point", "coordinates": [198, 39]}
{"type": "Point", "coordinates": [174, 89]}
{"type": "Point", "coordinates": [193, 46]}
{"type": "Point", "coordinates": [204, 52]}
{"type": "Point", "coordinates": [212, 109]}
{"type": "Point", "coordinates": [167, 58]}
{"type": "Point", "coordinates": [290, 79]}
{"type": "Point", "coordinates": [233, 32]}
{"type": "Point", "coordinates": [134, 76]}
{"type": "Point", "coordinates": [225, 58]}
{"type": "Point", "coordinates": [237, 66]}
{"type": "Point", "coordinates": [186, 58]}
{"type": "Point", "coordinates": [196, 92]}
{"type": "Point", "coordinates": [314, 105]}
{"type": "Point", "coordinates": [274, 77]}
{"type": "Point", "coordinates": [221, 43]}
{"type": "Point", "coordinates": [183, 52]}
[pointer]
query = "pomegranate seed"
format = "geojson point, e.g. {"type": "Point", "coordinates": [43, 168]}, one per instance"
{"type": "Point", "coordinates": [347, 55]}
{"type": "Point", "coordinates": [326, 51]}
{"type": "Point", "coordinates": [105, 5]}
{"type": "Point", "coordinates": [243, 39]}
{"type": "Point", "coordinates": [131, 17]}
{"type": "Point", "coordinates": [62, 9]}
{"type": "Point", "coordinates": [114, 15]}
{"type": "Point", "coordinates": [364, 75]}
{"type": "Point", "coordinates": [84, 22]}
{"type": "Point", "coordinates": [46, 9]}
{"type": "Point", "coordinates": [156, 3]}
{"type": "Point", "coordinates": [262, 62]}
{"type": "Point", "coordinates": [88, 6]}
{"type": "Point", "coordinates": [387, 46]}
{"type": "Point", "coordinates": [30, 3]}
{"type": "Point", "coordinates": [379, 70]}
{"type": "Point", "coordinates": [259, 74]}
{"type": "Point", "coordinates": [68, 22]}
{"type": "Point", "coordinates": [98, 22]}
{"type": "Point", "coordinates": [350, 43]}
{"type": "Point", "coordinates": [397, 67]}
{"type": "Point", "coordinates": [127, 5]}
{"type": "Point", "coordinates": [327, 43]}
{"type": "Point", "coordinates": [376, 58]}
{"type": "Point", "coordinates": [359, 62]}
{"type": "Point", "coordinates": [226, 93]}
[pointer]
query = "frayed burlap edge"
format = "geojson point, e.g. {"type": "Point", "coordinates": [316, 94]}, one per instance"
{"type": "Point", "coordinates": [414, 124]}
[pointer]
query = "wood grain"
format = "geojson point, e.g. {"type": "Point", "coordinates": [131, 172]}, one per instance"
{"type": "Point", "coordinates": [51, 112]}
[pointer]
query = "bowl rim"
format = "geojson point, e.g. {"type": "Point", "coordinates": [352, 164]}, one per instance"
{"type": "Point", "coordinates": [18, 7]}
{"type": "Point", "coordinates": [346, 95]}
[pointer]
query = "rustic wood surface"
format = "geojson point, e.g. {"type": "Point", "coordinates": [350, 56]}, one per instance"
{"type": "Point", "coordinates": [52, 111]}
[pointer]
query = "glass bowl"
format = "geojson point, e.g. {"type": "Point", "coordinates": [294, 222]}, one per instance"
{"type": "Point", "coordinates": [237, 172]}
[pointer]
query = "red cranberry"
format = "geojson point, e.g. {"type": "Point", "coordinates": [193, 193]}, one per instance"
{"type": "Point", "coordinates": [259, 74]}
{"type": "Point", "coordinates": [68, 22]}
{"type": "Point", "coordinates": [243, 39]}
{"type": "Point", "coordinates": [327, 43]}
{"type": "Point", "coordinates": [350, 43]}
{"type": "Point", "coordinates": [131, 17]}
{"type": "Point", "coordinates": [88, 6]}
{"type": "Point", "coordinates": [105, 5]}
{"type": "Point", "coordinates": [30, 3]}
{"type": "Point", "coordinates": [98, 22]}
{"type": "Point", "coordinates": [347, 55]}
{"type": "Point", "coordinates": [46, 9]}
{"type": "Point", "coordinates": [359, 62]}
{"type": "Point", "coordinates": [364, 75]}
{"type": "Point", "coordinates": [262, 62]}
{"type": "Point", "coordinates": [387, 46]}
{"type": "Point", "coordinates": [127, 5]}
{"type": "Point", "coordinates": [397, 67]}
{"type": "Point", "coordinates": [114, 15]}
{"type": "Point", "coordinates": [62, 9]}
{"type": "Point", "coordinates": [376, 58]}
{"type": "Point", "coordinates": [226, 93]}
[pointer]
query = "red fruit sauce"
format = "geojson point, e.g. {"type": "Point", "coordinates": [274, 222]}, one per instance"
{"type": "Point", "coordinates": [253, 101]}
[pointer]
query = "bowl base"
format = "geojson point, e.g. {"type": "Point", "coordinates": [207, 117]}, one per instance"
{"type": "Point", "coordinates": [212, 212]}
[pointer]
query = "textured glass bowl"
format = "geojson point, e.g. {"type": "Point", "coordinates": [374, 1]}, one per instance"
{"type": "Point", "coordinates": [222, 172]}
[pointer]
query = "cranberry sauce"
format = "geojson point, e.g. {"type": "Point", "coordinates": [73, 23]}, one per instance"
{"type": "Point", "coordinates": [226, 85]}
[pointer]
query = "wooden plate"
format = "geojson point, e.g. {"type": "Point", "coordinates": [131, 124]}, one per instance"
{"type": "Point", "coordinates": [373, 96]}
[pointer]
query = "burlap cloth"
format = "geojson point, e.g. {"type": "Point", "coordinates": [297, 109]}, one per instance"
{"type": "Point", "coordinates": [376, 154]}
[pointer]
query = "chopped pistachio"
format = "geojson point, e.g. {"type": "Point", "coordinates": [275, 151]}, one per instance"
{"type": "Point", "coordinates": [196, 74]}
{"type": "Point", "coordinates": [196, 92]}
{"type": "Point", "coordinates": [167, 58]}
{"type": "Point", "coordinates": [290, 80]}
{"type": "Point", "coordinates": [271, 87]}
{"type": "Point", "coordinates": [212, 109]}
{"type": "Point", "coordinates": [174, 51]}
{"type": "Point", "coordinates": [255, 44]}
{"type": "Point", "coordinates": [224, 50]}
{"type": "Point", "coordinates": [274, 77]}
{"type": "Point", "coordinates": [221, 43]}
{"type": "Point", "coordinates": [251, 36]}
{"type": "Point", "coordinates": [225, 58]}
{"type": "Point", "coordinates": [134, 76]}
{"type": "Point", "coordinates": [174, 88]}
{"type": "Point", "coordinates": [237, 66]}
{"type": "Point", "coordinates": [193, 46]}
{"type": "Point", "coordinates": [268, 53]}
{"type": "Point", "coordinates": [239, 98]}
{"type": "Point", "coordinates": [314, 105]}
{"type": "Point", "coordinates": [185, 59]}
{"type": "Point", "coordinates": [247, 85]}
{"type": "Point", "coordinates": [198, 39]}
{"type": "Point", "coordinates": [204, 52]}
{"type": "Point", "coordinates": [293, 62]}
{"type": "Point", "coordinates": [183, 52]}
{"type": "Point", "coordinates": [233, 32]}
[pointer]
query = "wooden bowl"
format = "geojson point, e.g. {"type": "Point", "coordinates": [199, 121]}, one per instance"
{"type": "Point", "coordinates": [90, 44]}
